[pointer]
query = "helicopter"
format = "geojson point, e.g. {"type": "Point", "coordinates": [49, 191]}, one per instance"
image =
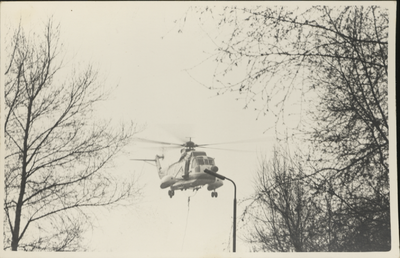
{"type": "Point", "coordinates": [188, 171]}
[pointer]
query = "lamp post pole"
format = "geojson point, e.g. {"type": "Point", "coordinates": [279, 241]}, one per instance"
{"type": "Point", "coordinates": [234, 215]}
{"type": "Point", "coordinates": [234, 203]}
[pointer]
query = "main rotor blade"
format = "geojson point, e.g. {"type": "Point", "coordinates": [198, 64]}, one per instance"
{"type": "Point", "coordinates": [143, 159]}
{"type": "Point", "coordinates": [235, 142]}
{"type": "Point", "coordinates": [213, 148]}
{"type": "Point", "coordinates": [180, 132]}
{"type": "Point", "coordinates": [159, 142]}
{"type": "Point", "coordinates": [162, 147]}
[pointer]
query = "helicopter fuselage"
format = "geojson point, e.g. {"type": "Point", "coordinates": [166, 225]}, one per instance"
{"type": "Point", "coordinates": [188, 172]}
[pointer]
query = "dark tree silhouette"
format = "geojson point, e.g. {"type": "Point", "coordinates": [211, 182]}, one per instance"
{"type": "Point", "coordinates": [329, 65]}
{"type": "Point", "coordinates": [57, 156]}
{"type": "Point", "coordinates": [281, 215]}
{"type": "Point", "coordinates": [284, 214]}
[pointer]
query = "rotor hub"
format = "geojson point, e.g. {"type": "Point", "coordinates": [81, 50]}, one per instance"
{"type": "Point", "coordinates": [190, 145]}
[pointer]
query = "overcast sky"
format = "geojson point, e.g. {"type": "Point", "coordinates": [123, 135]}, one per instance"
{"type": "Point", "coordinates": [159, 73]}
{"type": "Point", "coordinates": [138, 47]}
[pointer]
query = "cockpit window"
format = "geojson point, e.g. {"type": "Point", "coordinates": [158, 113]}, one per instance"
{"type": "Point", "coordinates": [200, 161]}
{"type": "Point", "coordinates": [211, 161]}
{"type": "Point", "coordinates": [206, 161]}
{"type": "Point", "coordinates": [198, 153]}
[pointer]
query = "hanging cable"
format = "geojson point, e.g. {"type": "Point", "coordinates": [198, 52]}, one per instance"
{"type": "Point", "coordinates": [187, 218]}
{"type": "Point", "coordinates": [186, 223]}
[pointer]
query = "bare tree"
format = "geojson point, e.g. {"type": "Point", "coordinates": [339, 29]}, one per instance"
{"type": "Point", "coordinates": [353, 131]}
{"type": "Point", "coordinates": [293, 210]}
{"type": "Point", "coordinates": [284, 215]}
{"type": "Point", "coordinates": [58, 158]}
{"type": "Point", "coordinates": [336, 60]}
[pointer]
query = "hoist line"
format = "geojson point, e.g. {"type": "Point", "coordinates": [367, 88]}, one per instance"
{"type": "Point", "coordinates": [186, 223]}
{"type": "Point", "coordinates": [187, 218]}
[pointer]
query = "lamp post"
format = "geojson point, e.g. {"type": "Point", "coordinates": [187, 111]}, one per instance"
{"type": "Point", "coordinates": [234, 203]}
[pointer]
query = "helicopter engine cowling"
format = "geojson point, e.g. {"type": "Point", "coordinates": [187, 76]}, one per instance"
{"type": "Point", "coordinates": [167, 181]}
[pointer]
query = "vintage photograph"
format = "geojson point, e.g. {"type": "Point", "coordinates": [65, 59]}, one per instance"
{"type": "Point", "coordinates": [199, 129]}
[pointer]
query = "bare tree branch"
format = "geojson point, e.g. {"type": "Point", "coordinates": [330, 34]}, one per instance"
{"type": "Point", "coordinates": [57, 156]}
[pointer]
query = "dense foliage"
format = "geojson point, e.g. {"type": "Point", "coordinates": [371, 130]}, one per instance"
{"type": "Point", "coordinates": [328, 66]}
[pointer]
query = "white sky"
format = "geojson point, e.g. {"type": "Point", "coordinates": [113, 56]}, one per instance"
{"type": "Point", "coordinates": [139, 48]}
{"type": "Point", "coordinates": [136, 45]}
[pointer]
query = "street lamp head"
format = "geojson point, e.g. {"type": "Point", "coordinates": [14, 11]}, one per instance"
{"type": "Point", "coordinates": [214, 174]}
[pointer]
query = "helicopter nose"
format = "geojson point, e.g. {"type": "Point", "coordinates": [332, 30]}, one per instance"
{"type": "Point", "coordinates": [214, 169]}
